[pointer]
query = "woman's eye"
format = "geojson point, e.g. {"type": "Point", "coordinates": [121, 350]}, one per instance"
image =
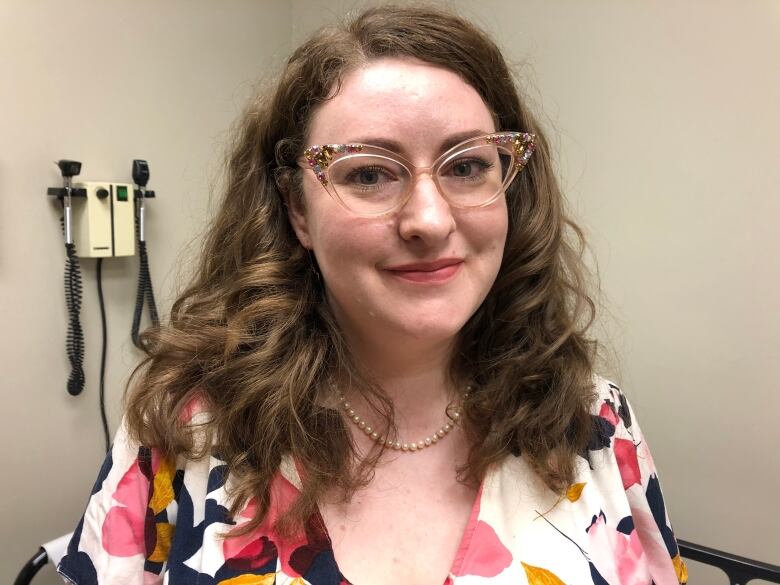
{"type": "Point", "coordinates": [465, 169]}
{"type": "Point", "coordinates": [368, 177]}
{"type": "Point", "coordinates": [462, 169]}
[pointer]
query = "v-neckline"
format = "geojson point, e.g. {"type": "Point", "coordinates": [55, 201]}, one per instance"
{"type": "Point", "coordinates": [292, 471]}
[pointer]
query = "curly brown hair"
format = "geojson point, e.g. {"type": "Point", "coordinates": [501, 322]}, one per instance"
{"type": "Point", "coordinates": [254, 338]}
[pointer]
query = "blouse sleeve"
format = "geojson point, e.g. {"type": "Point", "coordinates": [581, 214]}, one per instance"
{"type": "Point", "coordinates": [125, 533]}
{"type": "Point", "coordinates": [643, 490]}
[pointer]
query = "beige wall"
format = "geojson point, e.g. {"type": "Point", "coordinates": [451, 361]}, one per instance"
{"type": "Point", "coordinates": [666, 122]}
{"type": "Point", "coordinates": [104, 83]}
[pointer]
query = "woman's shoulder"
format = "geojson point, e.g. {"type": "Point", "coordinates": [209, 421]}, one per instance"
{"type": "Point", "coordinates": [610, 410]}
{"type": "Point", "coordinates": [605, 388]}
{"type": "Point", "coordinates": [618, 449]}
{"type": "Point", "coordinates": [141, 498]}
{"type": "Point", "coordinates": [613, 510]}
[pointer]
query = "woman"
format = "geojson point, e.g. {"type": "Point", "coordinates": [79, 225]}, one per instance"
{"type": "Point", "coordinates": [381, 373]}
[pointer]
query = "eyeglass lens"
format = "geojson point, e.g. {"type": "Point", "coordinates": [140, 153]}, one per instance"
{"type": "Point", "coordinates": [373, 183]}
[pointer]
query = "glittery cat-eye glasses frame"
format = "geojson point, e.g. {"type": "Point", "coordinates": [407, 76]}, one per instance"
{"type": "Point", "coordinates": [370, 180]}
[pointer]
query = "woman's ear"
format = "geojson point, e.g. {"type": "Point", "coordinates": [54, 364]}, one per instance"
{"type": "Point", "coordinates": [296, 213]}
{"type": "Point", "coordinates": [293, 202]}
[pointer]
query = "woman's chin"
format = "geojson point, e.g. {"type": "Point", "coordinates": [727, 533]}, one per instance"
{"type": "Point", "coordinates": [427, 330]}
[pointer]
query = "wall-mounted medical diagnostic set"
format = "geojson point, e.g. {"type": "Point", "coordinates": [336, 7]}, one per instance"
{"type": "Point", "coordinates": [101, 219]}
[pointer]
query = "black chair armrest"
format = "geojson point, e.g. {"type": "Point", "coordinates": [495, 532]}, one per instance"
{"type": "Point", "coordinates": [740, 570]}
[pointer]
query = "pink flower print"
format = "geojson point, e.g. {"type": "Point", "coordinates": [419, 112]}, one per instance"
{"type": "Point", "coordinates": [249, 552]}
{"type": "Point", "coordinates": [628, 464]}
{"type": "Point", "coordinates": [607, 412]}
{"type": "Point", "coordinates": [256, 548]}
{"type": "Point", "coordinates": [487, 556]}
{"type": "Point", "coordinates": [657, 555]}
{"type": "Point", "coordinates": [124, 526]}
{"type": "Point", "coordinates": [618, 557]}
{"type": "Point", "coordinates": [195, 405]}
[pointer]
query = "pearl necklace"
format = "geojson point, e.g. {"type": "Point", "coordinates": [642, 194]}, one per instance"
{"type": "Point", "coordinates": [397, 445]}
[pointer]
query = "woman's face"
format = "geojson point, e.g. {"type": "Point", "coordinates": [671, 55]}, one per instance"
{"type": "Point", "coordinates": [421, 271]}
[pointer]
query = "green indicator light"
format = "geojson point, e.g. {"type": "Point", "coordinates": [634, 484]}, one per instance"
{"type": "Point", "coordinates": [121, 193]}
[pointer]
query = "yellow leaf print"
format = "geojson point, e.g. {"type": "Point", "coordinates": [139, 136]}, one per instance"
{"type": "Point", "coordinates": [163, 545]}
{"type": "Point", "coordinates": [680, 569]}
{"type": "Point", "coordinates": [163, 487]}
{"type": "Point", "coordinates": [267, 579]}
{"type": "Point", "coordinates": [539, 576]}
{"type": "Point", "coordinates": [575, 491]}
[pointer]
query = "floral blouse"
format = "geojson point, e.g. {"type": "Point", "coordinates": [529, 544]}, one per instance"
{"type": "Point", "coordinates": [150, 520]}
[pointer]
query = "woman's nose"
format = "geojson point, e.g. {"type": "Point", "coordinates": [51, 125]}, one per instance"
{"type": "Point", "coordinates": [426, 215]}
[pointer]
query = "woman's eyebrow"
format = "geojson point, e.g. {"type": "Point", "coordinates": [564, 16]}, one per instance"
{"type": "Point", "coordinates": [387, 143]}
{"type": "Point", "coordinates": [395, 146]}
{"type": "Point", "coordinates": [460, 137]}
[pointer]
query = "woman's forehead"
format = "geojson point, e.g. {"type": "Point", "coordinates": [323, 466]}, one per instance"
{"type": "Point", "coordinates": [400, 100]}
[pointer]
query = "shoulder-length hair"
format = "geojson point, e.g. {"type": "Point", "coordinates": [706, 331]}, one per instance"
{"type": "Point", "coordinates": [253, 337]}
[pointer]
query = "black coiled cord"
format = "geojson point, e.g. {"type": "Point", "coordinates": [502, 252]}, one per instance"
{"type": "Point", "coordinates": [145, 292]}
{"type": "Point", "coordinates": [74, 343]}
{"type": "Point", "coordinates": [102, 396]}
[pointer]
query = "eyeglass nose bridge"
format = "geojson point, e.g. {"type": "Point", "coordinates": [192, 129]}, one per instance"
{"type": "Point", "coordinates": [415, 174]}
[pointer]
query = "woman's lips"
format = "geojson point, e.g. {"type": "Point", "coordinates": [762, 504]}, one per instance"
{"type": "Point", "coordinates": [433, 273]}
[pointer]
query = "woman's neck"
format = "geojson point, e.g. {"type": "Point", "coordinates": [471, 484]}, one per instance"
{"type": "Point", "coordinates": [415, 376]}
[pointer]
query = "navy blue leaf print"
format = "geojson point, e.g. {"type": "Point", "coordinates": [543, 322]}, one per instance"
{"type": "Point", "coordinates": [657, 506]}
{"type": "Point", "coordinates": [624, 412]}
{"type": "Point", "coordinates": [596, 576]}
{"type": "Point", "coordinates": [601, 433]}
{"type": "Point", "coordinates": [217, 477]}
{"type": "Point", "coordinates": [216, 512]}
{"type": "Point", "coordinates": [323, 569]}
{"type": "Point", "coordinates": [626, 525]}
{"type": "Point", "coordinates": [78, 568]}
{"type": "Point", "coordinates": [187, 540]}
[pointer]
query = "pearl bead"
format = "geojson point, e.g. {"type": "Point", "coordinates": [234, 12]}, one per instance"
{"type": "Point", "coordinates": [397, 445]}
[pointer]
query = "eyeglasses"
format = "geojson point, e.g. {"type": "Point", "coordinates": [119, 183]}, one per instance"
{"type": "Point", "coordinates": [370, 180]}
